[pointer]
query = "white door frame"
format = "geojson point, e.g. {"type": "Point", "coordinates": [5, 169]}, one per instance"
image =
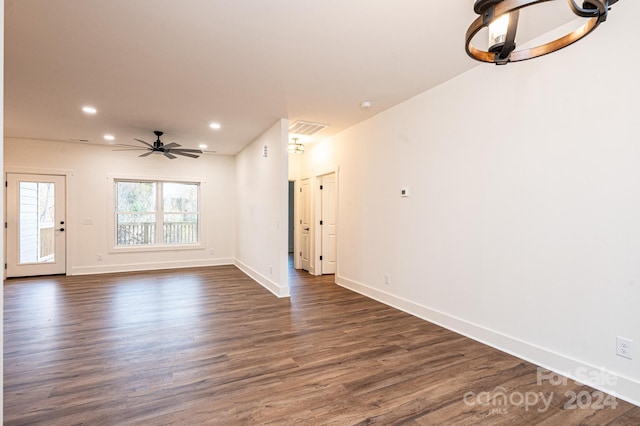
{"type": "Point", "coordinates": [322, 267]}
{"type": "Point", "coordinates": [315, 195]}
{"type": "Point", "coordinates": [68, 174]}
{"type": "Point", "coordinates": [297, 212]}
{"type": "Point", "coordinates": [302, 227]}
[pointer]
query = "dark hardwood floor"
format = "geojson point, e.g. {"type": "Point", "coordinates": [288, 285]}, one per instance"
{"type": "Point", "coordinates": [210, 346]}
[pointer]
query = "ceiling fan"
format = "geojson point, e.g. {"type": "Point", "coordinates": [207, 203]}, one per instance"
{"type": "Point", "coordinates": [169, 150]}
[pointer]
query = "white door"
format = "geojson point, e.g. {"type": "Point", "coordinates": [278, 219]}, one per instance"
{"type": "Point", "coordinates": [305, 225]}
{"type": "Point", "coordinates": [36, 238]}
{"type": "Point", "coordinates": [329, 216]}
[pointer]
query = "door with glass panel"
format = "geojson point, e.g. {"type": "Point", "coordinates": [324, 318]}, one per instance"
{"type": "Point", "coordinates": [36, 223]}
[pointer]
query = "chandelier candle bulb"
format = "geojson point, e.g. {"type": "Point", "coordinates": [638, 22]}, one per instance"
{"type": "Point", "coordinates": [498, 33]}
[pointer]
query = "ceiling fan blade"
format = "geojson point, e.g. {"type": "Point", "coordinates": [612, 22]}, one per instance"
{"type": "Point", "coordinates": [125, 144]}
{"type": "Point", "coordinates": [130, 149]}
{"type": "Point", "coordinates": [197, 151]}
{"type": "Point", "coordinates": [146, 143]}
{"type": "Point", "coordinates": [169, 150]}
{"type": "Point", "coordinates": [186, 154]}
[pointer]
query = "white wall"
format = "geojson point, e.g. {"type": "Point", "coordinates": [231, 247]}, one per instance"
{"type": "Point", "coordinates": [294, 166]}
{"type": "Point", "coordinates": [522, 229]}
{"type": "Point", "coordinates": [2, 190]}
{"type": "Point", "coordinates": [91, 170]}
{"type": "Point", "coordinates": [261, 210]}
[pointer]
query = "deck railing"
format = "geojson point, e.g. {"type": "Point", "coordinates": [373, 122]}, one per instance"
{"type": "Point", "coordinates": [47, 235]}
{"type": "Point", "coordinates": [144, 233]}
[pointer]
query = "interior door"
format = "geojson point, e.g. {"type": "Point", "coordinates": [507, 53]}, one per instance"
{"type": "Point", "coordinates": [36, 238]}
{"type": "Point", "coordinates": [329, 216]}
{"type": "Point", "coordinates": [305, 225]}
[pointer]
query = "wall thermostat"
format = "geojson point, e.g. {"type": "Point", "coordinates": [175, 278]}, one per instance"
{"type": "Point", "coordinates": [404, 192]}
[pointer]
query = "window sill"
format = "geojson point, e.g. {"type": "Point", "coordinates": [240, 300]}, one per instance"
{"type": "Point", "coordinates": [140, 249]}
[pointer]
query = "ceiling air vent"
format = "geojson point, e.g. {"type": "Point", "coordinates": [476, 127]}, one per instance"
{"type": "Point", "coordinates": [306, 128]}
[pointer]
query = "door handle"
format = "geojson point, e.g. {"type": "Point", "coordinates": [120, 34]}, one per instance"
{"type": "Point", "coordinates": [306, 229]}
{"type": "Point", "coordinates": [61, 229]}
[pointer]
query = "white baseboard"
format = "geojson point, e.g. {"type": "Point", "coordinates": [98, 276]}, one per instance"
{"type": "Point", "coordinates": [263, 281]}
{"type": "Point", "coordinates": [150, 266]}
{"type": "Point", "coordinates": [625, 388]}
{"type": "Point", "coordinates": [274, 288]}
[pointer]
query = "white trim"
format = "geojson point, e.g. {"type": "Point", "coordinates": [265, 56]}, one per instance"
{"type": "Point", "coordinates": [327, 171]}
{"type": "Point", "coordinates": [151, 178]}
{"type": "Point", "coordinates": [299, 203]}
{"type": "Point", "coordinates": [316, 214]}
{"type": "Point", "coordinates": [320, 171]}
{"type": "Point", "coordinates": [626, 388]}
{"type": "Point", "coordinates": [68, 175]}
{"type": "Point", "coordinates": [265, 282]}
{"type": "Point", "coordinates": [150, 266]}
{"type": "Point", "coordinates": [38, 171]}
{"type": "Point", "coordinates": [112, 178]}
{"type": "Point", "coordinates": [317, 234]}
{"type": "Point", "coordinates": [297, 228]}
{"type": "Point", "coordinates": [151, 248]}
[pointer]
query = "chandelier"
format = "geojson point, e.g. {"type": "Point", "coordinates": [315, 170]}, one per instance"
{"type": "Point", "coordinates": [294, 147]}
{"type": "Point", "coordinates": [501, 19]}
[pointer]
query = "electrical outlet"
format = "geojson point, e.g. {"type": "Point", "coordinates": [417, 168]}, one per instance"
{"type": "Point", "coordinates": [99, 256]}
{"type": "Point", "coordinates": [211, 252]}
{"type": "Point", "coordinates": [271, 269]}
{"type": "Point", "coordinates": [387, 279]}
{"type": "Point", "coordinates": [624, 347]}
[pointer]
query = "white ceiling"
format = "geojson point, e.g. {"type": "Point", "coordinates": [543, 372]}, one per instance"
{"type": "Point", "coordinates": [178, 65]}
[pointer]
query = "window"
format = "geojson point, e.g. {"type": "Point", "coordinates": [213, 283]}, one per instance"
{"type": "Point", "coordinates": [153, 213]}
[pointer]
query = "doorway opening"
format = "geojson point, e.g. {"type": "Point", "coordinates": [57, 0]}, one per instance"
{"type": "Point", "coordinates": [315, 224]}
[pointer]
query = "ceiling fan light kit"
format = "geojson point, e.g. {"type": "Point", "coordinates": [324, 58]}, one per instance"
{"type": "Point", "coordinates": [501, 18]}
{"type": "Point", "coordinates": [169, 150]}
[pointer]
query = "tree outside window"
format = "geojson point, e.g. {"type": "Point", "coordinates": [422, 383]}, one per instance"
{"type": "Point", "coordinates": [156, 213]}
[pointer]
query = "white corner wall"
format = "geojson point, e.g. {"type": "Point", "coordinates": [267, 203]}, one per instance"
{"type": "Point", "coordinates": [523, 225]}
{"type": "Point", "coordinates": [2, 191]}
{"type": "Point", "coordinates": [90, 170]}
{"type": "Point", "coordinates": [261, 242]}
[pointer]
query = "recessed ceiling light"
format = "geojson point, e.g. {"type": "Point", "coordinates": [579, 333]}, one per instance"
{"type": "Point", "coordinates": [89, 110]}
{"type": "Point", "coordinates": [109, 137]}
{"type": "Point", "coordinates": [202, 146]}
{"type": "Point", "coordinates": [215, 125]}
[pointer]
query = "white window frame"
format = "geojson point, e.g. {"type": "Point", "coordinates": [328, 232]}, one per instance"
{"type": "Point", "coordinates": [159, 216]}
